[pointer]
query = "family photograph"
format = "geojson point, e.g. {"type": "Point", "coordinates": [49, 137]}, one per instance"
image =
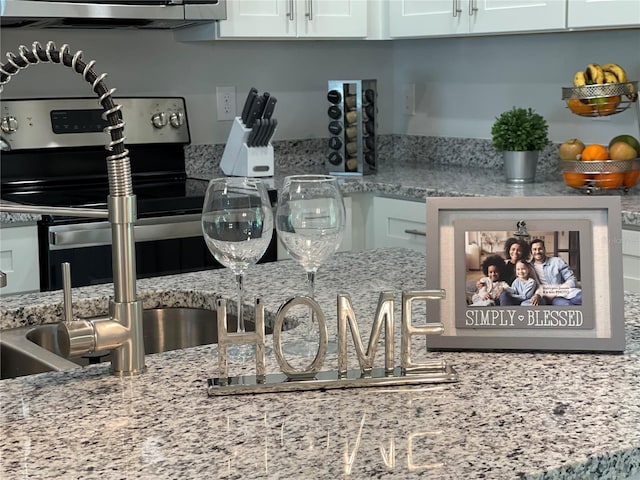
{"type": "Point", "coordinates": [522, 268]}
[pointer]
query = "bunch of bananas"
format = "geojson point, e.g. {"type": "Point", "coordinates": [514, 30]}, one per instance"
{"type": "Point", "coordinates": [596, 74]}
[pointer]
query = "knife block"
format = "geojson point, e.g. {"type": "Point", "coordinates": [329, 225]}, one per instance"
{"type": "Point", "coordinates": [352, 126]}
{"type": "Point", "coordinates": [240, 160]}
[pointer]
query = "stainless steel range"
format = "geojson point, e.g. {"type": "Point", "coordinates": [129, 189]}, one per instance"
{"type": "Point", "coordinates": [53, 155]}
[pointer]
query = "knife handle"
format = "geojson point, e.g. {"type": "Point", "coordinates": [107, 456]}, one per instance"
{"type": "Point", "coordinates": [251, 140]}
{"type": "Point", "coordinates": [273, 123]}
{"type": "Point", "coordinates": [255, 108]}
{"type": "Point", "coordinates": [269, 108]}
{"type": "Point", "coordinates": [253, 93]}
{"type": "Point", "coordinates": [263, 104]}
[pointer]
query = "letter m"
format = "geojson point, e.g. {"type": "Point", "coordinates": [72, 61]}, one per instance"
{"type": "Point", "coordinates": [346, 316]}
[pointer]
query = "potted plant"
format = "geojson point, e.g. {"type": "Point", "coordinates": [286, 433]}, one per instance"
{"type": "Point", "coordinates": [520, 134]}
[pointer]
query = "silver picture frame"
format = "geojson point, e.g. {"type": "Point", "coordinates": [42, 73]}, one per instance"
{"type": "Point", "coordinates": [462, 232]}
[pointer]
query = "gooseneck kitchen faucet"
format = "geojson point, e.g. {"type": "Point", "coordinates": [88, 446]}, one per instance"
{"type": "Point", "coordinates": [122, 331]}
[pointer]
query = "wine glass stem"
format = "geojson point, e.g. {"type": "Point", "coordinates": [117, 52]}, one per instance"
{"type": "Point", "coordinates": [240, 289]}
{"type": "Point", "coordinates": [311, 282]}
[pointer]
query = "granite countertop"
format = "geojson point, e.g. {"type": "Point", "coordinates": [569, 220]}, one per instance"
{"type": "Point", "coordinates": [511, 415]}
{"type": "Point", "coordinates": [415, 182]}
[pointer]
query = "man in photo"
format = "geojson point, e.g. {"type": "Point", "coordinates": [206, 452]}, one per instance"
{"type": "Point", "coordinates": [557, 282]}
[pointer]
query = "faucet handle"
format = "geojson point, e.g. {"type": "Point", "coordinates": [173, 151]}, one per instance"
{"type": "Point", "coordinates": [75, 337]}
{"type": "Point", "coordinates": [67, 304]}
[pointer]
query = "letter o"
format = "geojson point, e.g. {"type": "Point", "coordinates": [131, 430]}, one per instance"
{"type": "Point", "coordinates": [315, 366]}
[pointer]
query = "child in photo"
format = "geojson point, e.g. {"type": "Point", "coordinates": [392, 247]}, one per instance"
{"type": "Point", "coordinates": [524, 286]}
{"type": "Point", "coordinates": [490, 287]}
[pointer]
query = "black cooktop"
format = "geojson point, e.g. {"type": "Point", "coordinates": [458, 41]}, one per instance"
{"type": "Point", "coordinates": [171, 197]}
{"type": "Point", "coordinates": [154, 198]}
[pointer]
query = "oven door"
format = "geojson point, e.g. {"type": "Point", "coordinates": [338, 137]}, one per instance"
{"type": "Point", "coordinates": [164, 246]}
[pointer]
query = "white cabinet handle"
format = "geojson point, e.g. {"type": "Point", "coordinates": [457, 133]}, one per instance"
{"type": "Point", "coordinates": [413, 231]}
{"type": "Point", "coordinates": [472, 7]}
{"type": "Point", "coordinates": [456, 8]}
{"type": "Point", "coordinates": [309, 13]}
{"type": "Point", "coordinates": [290, 12]}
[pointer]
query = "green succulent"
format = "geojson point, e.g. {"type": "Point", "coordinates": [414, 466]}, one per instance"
{"type": "Point", "coordinates": [520, 130]}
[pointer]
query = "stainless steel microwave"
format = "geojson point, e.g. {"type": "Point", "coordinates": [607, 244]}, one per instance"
{"type": "Point", "coordinates": [152, 14]}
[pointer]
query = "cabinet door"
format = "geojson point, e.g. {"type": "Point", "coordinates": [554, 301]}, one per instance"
{"type": "Point", "coordinates": [332, 18]}
{"type": "Point", "coordinates": [399, 223]}
{"type": "Point", "coordinates": [515, 15]}
{"type": "Point", "coordinates": [259, 18]}
{"type": "Point", "coordinates": [415, 18]}
{"type": "Point", "coordinates": [603, 13]}
{"type": "Point", "coordinates": [19, 259]}
{"type": "Point", "coordinates": [295, 18]}
{"type": "Point", "coordinates": [420, 18]}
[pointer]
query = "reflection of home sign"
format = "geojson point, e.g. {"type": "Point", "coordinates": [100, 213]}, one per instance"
{"type": "Point", "coordinates": [312, 378]}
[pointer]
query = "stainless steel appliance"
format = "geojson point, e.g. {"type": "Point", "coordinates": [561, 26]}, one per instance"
{"type": "Point", "coordinates": [55, 157]}
{"type": "Point", "coordinates": [158, 14]}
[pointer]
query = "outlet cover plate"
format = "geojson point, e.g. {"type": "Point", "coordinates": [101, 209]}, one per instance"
{"type": "Point", "coordinates": [226, 102]}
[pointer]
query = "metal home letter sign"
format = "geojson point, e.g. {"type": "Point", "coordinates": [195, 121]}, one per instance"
{"type": "Point", "coordinates": [313, 377]}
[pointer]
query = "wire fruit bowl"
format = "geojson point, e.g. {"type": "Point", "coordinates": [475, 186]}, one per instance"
{"type": "Point", "coordinates": [600, 100]}
{"type": "Point", "coordinates": [591, 176]}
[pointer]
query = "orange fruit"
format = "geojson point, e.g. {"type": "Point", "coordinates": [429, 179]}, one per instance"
{"type": "Point", "coordinates": [631, 178]}
{"type": "Point", "coordinates": [609, 180]}
{"type": "Point", "coordinates": [607, 105]}
{"type": "Point", "coordinates": [578, 107]}
{"type": "Point", "coordinates": [594, 152]}
{"type": "Point", "coordinates": [575, 180]}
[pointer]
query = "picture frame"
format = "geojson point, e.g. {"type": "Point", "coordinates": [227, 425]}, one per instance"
{"type": "Point", "coordinates": [573, 301]}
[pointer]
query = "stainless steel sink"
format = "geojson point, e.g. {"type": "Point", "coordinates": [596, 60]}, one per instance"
{"type": "Point", "coordinates": [29, 350]}
{"type": "Point", "coordinates": [19, 356]}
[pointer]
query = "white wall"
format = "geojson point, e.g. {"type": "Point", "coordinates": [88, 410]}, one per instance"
{"type": "Point", "coordinates": [153, 63]}
{"type": "Point", "coordinates": [462, 84]}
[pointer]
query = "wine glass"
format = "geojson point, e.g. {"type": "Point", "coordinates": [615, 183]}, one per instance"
{"type": "Point", "coordinates": [237, 224]}
{"type": "Point", "coordinates": [310, 221]}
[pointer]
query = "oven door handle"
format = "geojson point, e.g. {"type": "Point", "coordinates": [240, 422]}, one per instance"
{"type": "Point", "coordinates": [145, 230]}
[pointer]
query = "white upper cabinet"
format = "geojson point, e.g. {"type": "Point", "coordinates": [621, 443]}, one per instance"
{"type": "Point", "coordinates": [423, 18]}
{"type": "Point", "coordinates": [603, 13]}
{"type": "Point", "coordinates": [294, 19]}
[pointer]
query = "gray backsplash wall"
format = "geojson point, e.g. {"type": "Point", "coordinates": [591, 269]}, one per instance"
{"type": "Point", "coordinates": [462, 84]}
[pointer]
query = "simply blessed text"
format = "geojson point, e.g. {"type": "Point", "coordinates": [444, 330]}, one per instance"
{"type": "Point", "coordinates": [530, 318]}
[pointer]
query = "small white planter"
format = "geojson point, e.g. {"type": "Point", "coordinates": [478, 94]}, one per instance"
{"type": "Point", "coordinates": [520, 167]}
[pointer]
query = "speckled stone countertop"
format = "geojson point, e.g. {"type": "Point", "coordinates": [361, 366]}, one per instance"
{"type": "Point", "coordinates": [410, 167]}
{"type": "Point", "coordinates": [413, 168]}
{"type": "Point", "coordinates": [511, 416]}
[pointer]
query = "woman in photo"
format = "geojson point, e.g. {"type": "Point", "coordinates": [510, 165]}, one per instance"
{"type": "Point", "coordinates": [514, 250]}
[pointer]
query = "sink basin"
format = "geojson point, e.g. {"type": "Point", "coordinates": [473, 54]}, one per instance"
{"type": "Point", "coordinates": [29, 350]}
{"type": "Point", "coordinates": [19, 356]}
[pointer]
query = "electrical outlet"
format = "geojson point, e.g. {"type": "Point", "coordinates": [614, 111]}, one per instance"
{"type": "Point", "coordinates": [410, 99]}
{"type": "Point", "coordinates": [226, 102]}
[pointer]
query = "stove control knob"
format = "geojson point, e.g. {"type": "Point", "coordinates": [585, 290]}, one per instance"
{"type": "Point", "coordinates": [159, 120]}
{"type": "Point", "coordinates": [9, 124]}
{"type": "Point", "coordinates": [176, 119]}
